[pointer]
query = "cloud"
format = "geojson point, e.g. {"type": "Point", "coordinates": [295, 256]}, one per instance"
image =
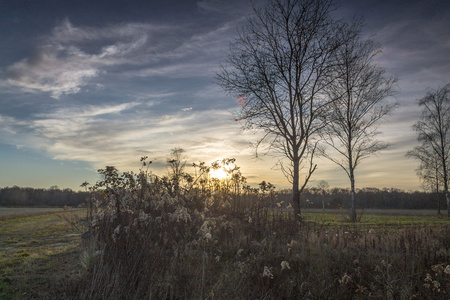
{"type": "Point", "coordinates": [415, 40]}
{"type": "Point", "coordinates": [48, 73]}
{"type": "Point", "coordinates": [231, 7]}
{"type": "Point", "coordinates": [88, 111]}
{"type": "Point", "coordinates": [197, 54]}
{"type": "Point", "coordinates": [72, 56]}
{"type": "Point", "coordinates": [120, 134]}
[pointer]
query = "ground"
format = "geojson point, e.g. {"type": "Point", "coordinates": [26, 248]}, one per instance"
{"type": "Point", "coordinates": [39, 252]}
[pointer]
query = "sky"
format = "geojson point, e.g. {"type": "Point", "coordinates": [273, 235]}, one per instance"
{"type": "Point", "coordinates": [89, 84]}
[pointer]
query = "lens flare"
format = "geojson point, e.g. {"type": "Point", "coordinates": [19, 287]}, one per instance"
{"type": "Point", "coordinates": [240, 114]}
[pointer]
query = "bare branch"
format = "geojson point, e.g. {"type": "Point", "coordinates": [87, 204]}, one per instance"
{"type": "Point", "coordinates": [359, 92]}
{"type": "Point", "coordinates": [282, 61]}
{"type": "Point", "coordinates": [433, 131]}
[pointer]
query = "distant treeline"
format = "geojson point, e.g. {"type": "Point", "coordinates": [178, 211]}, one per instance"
{"type": "Point", "coordinates": [386, 198]}
{"type": "Point", "coordinates": [311, 198]}
{"type": "Point", "coordinates": [31, 197]}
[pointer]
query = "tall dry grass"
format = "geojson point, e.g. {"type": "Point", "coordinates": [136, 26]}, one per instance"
{"type": "Point", "coordinates": [180, 237]}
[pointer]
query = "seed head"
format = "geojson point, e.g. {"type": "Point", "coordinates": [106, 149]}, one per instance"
{"type": "Point", "coordinates": [267, 273]}
{"type": "Point", "coordinates": [285, 265]}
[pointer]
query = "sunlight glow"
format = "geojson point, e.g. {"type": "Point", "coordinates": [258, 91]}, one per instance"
{"type": "Point", "coordinates": [218, 174]}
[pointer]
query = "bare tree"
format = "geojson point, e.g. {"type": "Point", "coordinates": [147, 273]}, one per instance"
{"type": "Point", "coordinates": [429, 170]}
{"type": "Point", "coordinates": [176, 165]}
{"type": "Point", "coordinates": [323, 188]}
{"type": "Point", "coordinates": [360, 92]}
{"type": "Point", "coordinates": [281, 63]}
{"type": "Point", "coordinates": [433, 131]}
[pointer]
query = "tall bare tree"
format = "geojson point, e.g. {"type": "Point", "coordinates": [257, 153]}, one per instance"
{"type": "Point", "coordinates": [323, 188]}
{"type": "Point", "coordinates": [429, 170]}
{"type": "Point", "coordinates": [433, 131]}
{"type": "Point", "coordinates": [281, 62]}
{"type": "Point", "coordinates": [176, 165]}
{"type": "Point", "coordinates": [360, 93]}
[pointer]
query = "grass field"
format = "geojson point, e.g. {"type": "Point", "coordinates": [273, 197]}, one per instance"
{"type": "Point", "coordinates": [389, 212]}
{"type": "Point", "coordinates": [378, 218]}
{"type": "Point", "coordinates": [16, 212]}
{"type": "Point", "coordinates": [13, 210]}
{"type": "Point", "coordinates": [40, 247]}
{"type": "Point", "coordinates": [39, 251]}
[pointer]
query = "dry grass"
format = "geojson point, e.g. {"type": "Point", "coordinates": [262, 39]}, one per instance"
{"type": "Point", "coordinates": [181, 237]}
{"type": "Point", "coordinates": [160, 247]}
{"type": "Point", "coordinates": [7, 213]}
{"type": "Point", "coordinates": [165, 252]}
{"type": "Point", "coordinates": [39, 254]}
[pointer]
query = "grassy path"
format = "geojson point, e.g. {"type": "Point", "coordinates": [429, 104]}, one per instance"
{"type": "Point", "coordinates": [39, 251]}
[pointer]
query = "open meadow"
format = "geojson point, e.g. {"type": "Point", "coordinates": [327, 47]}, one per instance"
{"type": "Point", "coordinates": [39, 251]}
{"type": "Point", "coordinates": [387, 255]}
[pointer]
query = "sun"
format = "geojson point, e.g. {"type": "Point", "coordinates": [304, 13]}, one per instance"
{"type": "Point", "coordinates": [218, 173]}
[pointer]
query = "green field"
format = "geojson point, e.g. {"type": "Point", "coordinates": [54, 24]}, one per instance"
{"type": "Point", "coordinates": [12, 210]}
{"type": "Point", "coordinates": [39, 251]}
{"type": "Point", "coordinates": [378, 218]}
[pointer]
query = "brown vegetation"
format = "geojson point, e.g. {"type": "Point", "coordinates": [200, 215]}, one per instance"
{"type": "Point", "coordinates": [205, 240]}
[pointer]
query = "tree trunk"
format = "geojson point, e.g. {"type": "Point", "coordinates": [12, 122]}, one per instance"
{"type": "Point", "coordinates": [447, 198]}
{"type": "Point", "coordinates": [352, 178]}
{"type": "Point", "coordinates": [443, 145]}
{"type": "Point", "coordinates": [446, 190]}
{"type": "Point", "coordinates": [296, 191]}
{"type": "Point", "coordinates": [437, 194]}
{"type": "Point", "coordinates": [438, 197]}
{"type": "Point", "coordinates": [448, 203]}
{"type": "Point", "coordinates": [353, 197]}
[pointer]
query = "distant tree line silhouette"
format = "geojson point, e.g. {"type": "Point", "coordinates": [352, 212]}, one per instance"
{"type": "Point", "coordinates": [386, 198]}
{"type": "Point", "coordinates": [38, 197]}
{"type": "Point", "coordinates": [368, 198]}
